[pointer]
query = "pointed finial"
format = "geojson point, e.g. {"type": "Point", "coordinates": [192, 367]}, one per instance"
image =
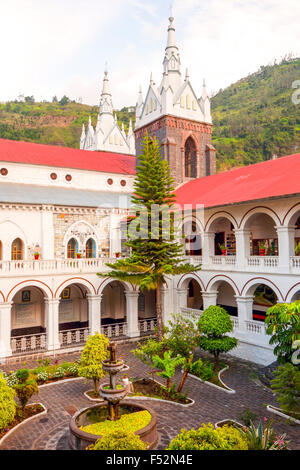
{"type": "Point", "coordinates": [140, 89]}
{"type": "Point", "coordinates": [106, 67]}
{"type": "Point", "coordinates": [187, 75]}
{"type": "Point", "coordinates": [204, 84]}
{"type": "Point", "coordinates": [171, 13]}
{"type": "Point", "coordinates": [151, 79]}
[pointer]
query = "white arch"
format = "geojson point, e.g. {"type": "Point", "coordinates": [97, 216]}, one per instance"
{"type": "Point", "coordinates": [259, 210]}
{"type": "Point", "coordinates": [220, 215]}
{"type": "Point", "coordinates": [10, 231]}
{"type": "Point", "coordinates": [127, 286]}
{"type": "Point", "coordinates": [30, 283]}
{"type": "Point", "coordinates": [75, 280]}
{"type": "Point", "coordinates": [186, 278]}
{"type": "Point", "coordinates": [290, 214]}
{"type": "Point", "coordinates": [292, 292]}
{"type": "Point", "coordinates": [251, 285]}
{"type": "Point", "coordinates": [214, 283]}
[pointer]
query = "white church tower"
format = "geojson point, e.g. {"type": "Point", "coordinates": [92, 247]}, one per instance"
{"type": "Point", "coordinates": [179, 119]}
{"type": "Point", "coordinates": [107, 136]}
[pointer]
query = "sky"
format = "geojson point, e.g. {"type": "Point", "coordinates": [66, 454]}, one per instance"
{"type": "Point", "coordinates": [60, 47]}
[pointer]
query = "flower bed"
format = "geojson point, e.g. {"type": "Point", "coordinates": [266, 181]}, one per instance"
{"type": "Point", "coordinates": [215, 380]}
{"type": "Point", "coordinates": [147, 388]}
{"type": "Point", "coordinates": [29, 412]}
{"type": "Point", "coordinates": [128, 422]}
{"type": "Point", "coordinates": [278, 411]}
{"type": "Point", "coordinates": [46, 373]}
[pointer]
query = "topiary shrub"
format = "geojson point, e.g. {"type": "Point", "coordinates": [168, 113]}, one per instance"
{"type": "Point", "coordinates": [213, 324]}
{"type": "Point", "coordinates": [208, 438]}
{"type": "Point", "coordinates": [7, 403]}
{"type": "Point", "coordinates": [25, 390]}
{"type": "Point", "coordinates": [22, 375]}
{"type": "Point", "coordinates": [119, 440]}
{"type": "Point", "coordinates": [94, 352]}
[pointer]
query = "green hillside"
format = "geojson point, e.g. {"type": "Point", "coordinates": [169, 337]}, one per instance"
{"type": "Point", "coordinates": [56, 123]}
{"type": "Point", "coordinates": [253, 119]}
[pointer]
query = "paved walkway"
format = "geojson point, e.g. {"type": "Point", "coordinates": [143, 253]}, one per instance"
{"type": "Point", "coordinates": [211, 405]}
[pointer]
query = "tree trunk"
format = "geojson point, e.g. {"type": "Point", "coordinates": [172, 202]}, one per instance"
{"type": "Point", "coordinates": [160, 326]}
{"type": "Point", "coordinates": [185, 374]}
{"type": "Point", "coordinates": [96, 385]}
{"type": "Point", "coordinates": [216, 354]}
{"type": "Point", "coordinates": [169, 384]}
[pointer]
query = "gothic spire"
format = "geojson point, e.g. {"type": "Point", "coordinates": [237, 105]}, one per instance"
{"type": "Point", "coordinates": [106, 105]}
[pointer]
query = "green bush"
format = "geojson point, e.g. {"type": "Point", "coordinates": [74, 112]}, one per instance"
{"type": "Point", "coordinates": [286, 385]}
{"type": "Point", "coordinates": [120, 440]}
{"type": "Point", "coordinates": [7, 403]}
{"type": "Point", "coordinates": [128, 422]}
{"type": "Point", "coordinates": [22, 375]}
{"type": "Point", "coordinates": [208, 438]}
{"type": "Point", "coordinates": [204, 370]}
{"type": "Point", "coordinates": [25, 390]}
{"type": "Point", "coordinates": [94, 352]}
{"type": "Point", "coordinates": [213, 324]}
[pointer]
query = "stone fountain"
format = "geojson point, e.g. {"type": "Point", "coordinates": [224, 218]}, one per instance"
{"type": "Point", "coordinates": [112, 409]}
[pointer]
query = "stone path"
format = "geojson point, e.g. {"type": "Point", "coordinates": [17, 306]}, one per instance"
{"type": "Point", "coordinates": [211, 405]}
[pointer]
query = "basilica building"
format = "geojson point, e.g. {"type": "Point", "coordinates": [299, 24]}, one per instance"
{"type": "Point", "coordinates": [63, 211]}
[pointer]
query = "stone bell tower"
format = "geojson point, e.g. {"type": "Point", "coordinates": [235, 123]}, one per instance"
{"type": "Point", "coordinates": [181, 122]}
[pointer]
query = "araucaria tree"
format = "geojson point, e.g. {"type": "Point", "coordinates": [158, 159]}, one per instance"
{"type": "Point", "coordinates": [213, 324]}
{"type": "Point", "coordinates": [152, 236]}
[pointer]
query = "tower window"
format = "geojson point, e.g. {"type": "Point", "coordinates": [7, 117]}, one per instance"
{"type": "Point", "coordinates": [182, 102]}
{"type": "Point", "coordinates": [188, 102]}
{"type": "Point", "coordinates": [190, 155]}
{"type": "Point", "coordinates": [194, 105]}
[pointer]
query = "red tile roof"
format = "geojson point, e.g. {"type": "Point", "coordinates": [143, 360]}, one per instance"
{"type": "Point", "coordinates": [50, 155]}
{"type": "Point", "coordinates": [272, 178]}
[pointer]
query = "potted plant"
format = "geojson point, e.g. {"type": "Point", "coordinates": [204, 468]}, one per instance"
{"type": "Point", "coordinates": [223, 248]}
{"type": "Point", "coordinates": [117, 254]}
{"type": "Point", "coordinates": [36, 255]}
{"type": "Point", "coordinates": [297, 249]}
{"type": "Point", "coordinates": [78, 255]}
{"type": "Point", "coordinates": [262, 248]}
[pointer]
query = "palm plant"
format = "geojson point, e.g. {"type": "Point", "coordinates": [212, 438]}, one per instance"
{"type": "Point", "coordinates": [167, 364]}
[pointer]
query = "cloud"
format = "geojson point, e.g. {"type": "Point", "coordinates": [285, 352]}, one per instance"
{"type": "Point", "coordinates": [56, 47]}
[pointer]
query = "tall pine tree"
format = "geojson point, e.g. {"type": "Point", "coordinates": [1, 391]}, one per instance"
{"type": "Point", "coordinates": [155, 250]}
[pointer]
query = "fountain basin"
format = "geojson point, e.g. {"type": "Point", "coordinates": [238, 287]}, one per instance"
{"type": "Point", "coordinates": [112, 368]}
{"type": "Point", "coordinates": [79, 440]}
{"type": "Point", "coordinates": [112, 395]}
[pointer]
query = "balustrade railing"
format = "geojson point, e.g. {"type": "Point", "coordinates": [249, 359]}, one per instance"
{"type": "Point", "coordinates": [191, 312]}
{"type": "Point", "coordinates": [262, 262]}
{"type": "Point", "coordinates": [56, 265]}
{"type": "Point", "coordinates": [147, 325]}
{"type": "Point", "coordinates": [295, 262]}
{"type": "Point", "coordinates": [256, 327]}
{"type": "Point", "coordinates": [28, 343]}
{"type": "Point", "coordinates": [71, 337]}
{"type": "Point", "coordinates": [114, 330]}
{"type": "Point", "coordinates": [223, 260]}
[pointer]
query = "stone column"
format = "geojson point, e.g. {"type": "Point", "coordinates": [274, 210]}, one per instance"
{"type": "Point", "coordinates": [94, 306]}
{"type": "Point", "coordinates": [242, 240]}
{"type": "Point", "coordinates": [245, 307]}
{"type": "Point", "coordinates": [208, 247]}
{"type": "Point", "coordinates": [5, 330]}
{"type": "Point", "coordinates": [286, 248]}
{"type": "Point", "coordinates": [166, 312]}
{"type": "Point", "coordinates": [52, 324]}
{"type": "Point", "coordinates": [132, 314]}
{"type": "Point", "coordinates": [209, 298]}
{"type": "Point", "coordinates": [181, 298]}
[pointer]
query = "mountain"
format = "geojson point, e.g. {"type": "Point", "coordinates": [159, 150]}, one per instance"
{"type": "Point", "coordinates": [253, 119]}
{"type": "Point", "coordinates": [256, 118]}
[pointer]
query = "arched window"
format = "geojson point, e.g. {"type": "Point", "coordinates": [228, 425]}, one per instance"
{"type": "Point", "coordinates": [190, 159]}
{"type": "Point", "coordinates": [72, 248]}
{"type": "Point", "coordinates": [17, 249]}
{"type": "Point", "coordinates": [90, 248]}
